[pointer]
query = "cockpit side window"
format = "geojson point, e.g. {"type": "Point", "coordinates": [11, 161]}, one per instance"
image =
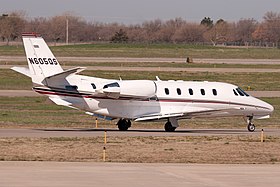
{"type": "Point", "coordinates": [241, 92]}
{"type": "Point", "coordinates": [235, 93]}
{"type": "Point", "coordinates": [115, 84]}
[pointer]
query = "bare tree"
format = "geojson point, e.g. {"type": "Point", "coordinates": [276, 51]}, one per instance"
{"type": "Point", "coordinates": [244, 30]}
{"type": "Point", "coordinates": [11, 26]}
{"type": "Point", "coordinates": [175, 30]}
{"type": "Point", "coordinates": [219, 33]}
{"type": "Point", "coordinates": [189, 33]}
{"type": "Point", "coordinates": [272, 26]}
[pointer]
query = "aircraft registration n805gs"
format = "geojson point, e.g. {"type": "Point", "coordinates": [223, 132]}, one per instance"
{"type": "Point", "coordinates": [135, 100]}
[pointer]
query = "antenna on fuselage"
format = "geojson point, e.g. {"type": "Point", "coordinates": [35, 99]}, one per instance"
{"type": "Point", "coordinates": [157, 78]}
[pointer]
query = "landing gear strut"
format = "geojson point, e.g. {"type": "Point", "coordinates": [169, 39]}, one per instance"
{"type": "Point", "coordinates": [123, 124]}
{"type": "Point", "coordinates": [168, 127]}
{"type": "Point", "coordinates": [251, 127]}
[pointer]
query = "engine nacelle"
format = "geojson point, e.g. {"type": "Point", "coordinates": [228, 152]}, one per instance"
{"type": "Point", "coordinates": [138, 88]}
{"type": "Point", "coordinates": [131, 88]}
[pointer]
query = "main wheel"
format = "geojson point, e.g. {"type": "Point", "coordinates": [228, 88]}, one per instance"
{"type": "Point", "coordinates": [168, 127]}
{"type": "Point", "coordinates": [123, 124]}
{"type": "Point", "coordinates": [251, 127]}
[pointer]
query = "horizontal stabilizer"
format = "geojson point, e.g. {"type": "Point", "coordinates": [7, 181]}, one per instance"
{"type": "Point", "coordinates": [66, 73]}
{"type": "Point", "coordinates": [59, 79]}
{"type": "Point", "coordinates": [23, 70]}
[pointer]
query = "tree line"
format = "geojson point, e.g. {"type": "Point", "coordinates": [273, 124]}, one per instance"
{"type": "Point", "coordinates": [242, 33]}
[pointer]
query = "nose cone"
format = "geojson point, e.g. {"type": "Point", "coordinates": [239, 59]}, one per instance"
{"type": "Point", "coordinates": [267, 107]}
{"type": "Point", "coordinates": [271, 108]}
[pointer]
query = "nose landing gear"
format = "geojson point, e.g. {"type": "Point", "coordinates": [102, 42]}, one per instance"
{"type": "Point", "coordinates": [251, 127]}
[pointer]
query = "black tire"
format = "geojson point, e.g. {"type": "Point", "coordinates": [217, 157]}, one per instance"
{"type": "Point", "coordinates": [251, 127]}
{"type": "Point", "coordinates": [123, 124]}
{"type": "Point", "coordinates": [168, 127]}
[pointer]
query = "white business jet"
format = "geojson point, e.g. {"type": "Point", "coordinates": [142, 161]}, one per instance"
{"type": "Point", "coordinates": [136, 100]}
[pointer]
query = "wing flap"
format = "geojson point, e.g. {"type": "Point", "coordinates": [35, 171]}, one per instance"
{"type": "Point", "coordinates": [198, 112]}
{"type": "Point", "coordinates": [158, 116]}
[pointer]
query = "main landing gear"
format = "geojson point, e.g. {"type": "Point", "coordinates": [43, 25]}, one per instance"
{"type": "Point", "coordinates": [251, 127]}
{"type": "Point", "coordinates": [171, 125]}
{"type": "Point", "coordinates": [168, 127]}
{"type": "Point", "coordinates": [124, 124]}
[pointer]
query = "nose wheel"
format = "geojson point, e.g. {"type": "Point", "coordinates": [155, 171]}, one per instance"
{"type": "Point", "coordinates": [251, 127]}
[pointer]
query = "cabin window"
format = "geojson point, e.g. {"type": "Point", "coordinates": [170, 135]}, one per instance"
{"type": "Point", "coordinates": [202, 91]}
{"type": "Point", "coordinates": [235, 93]}
{"type": "Point", "coordinates": [93, 85]}
{"type": "Point", "coordinates": [179, 91]}
{"type": "Point", "coordinates": [166, 91]}
{"type": "Point", "coordinates": [214, 92]}
{"type": "Point", "coordinates": [115, 84]}
{"type": "Point", "coordinates": [71, 87]}
{"type": "Point", "coordinates": [190, 91]}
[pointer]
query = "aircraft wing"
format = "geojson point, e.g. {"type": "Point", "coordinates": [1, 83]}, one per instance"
{"type": "Point", "coordinates": [198, 112]}
{"type": "Point", "coordinates": [62, 102]}
{"type": "Point", "coordinates": [158, 116]}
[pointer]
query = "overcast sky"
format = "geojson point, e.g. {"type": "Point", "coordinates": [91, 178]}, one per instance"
{"type": "Point", "coordinates": [137, 11]}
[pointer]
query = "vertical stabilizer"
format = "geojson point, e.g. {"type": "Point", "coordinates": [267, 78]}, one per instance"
{"type": "Point", "coordinates": [41, 60]}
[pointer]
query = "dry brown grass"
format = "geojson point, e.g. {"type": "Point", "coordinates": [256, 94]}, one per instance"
{"type": "Point", "coordinates": [208, 149]}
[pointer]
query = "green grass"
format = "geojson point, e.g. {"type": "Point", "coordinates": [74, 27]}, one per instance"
{"type": "Point", "coordinates": [155, 64]}
{"type": "Point", "coordinates": [153, 50]}
{"type": "Point", "coordinates": [10, 79]}
{"type": "Point", "coordinates": [257, 81]}
{"type": "Point", "coordinates": [39, 112]}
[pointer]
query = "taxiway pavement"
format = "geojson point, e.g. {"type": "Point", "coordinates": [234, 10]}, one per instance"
{"type": "Point", "coordinates": [86, 174]}
{"type": "Point", "coordinates": [97, 132]}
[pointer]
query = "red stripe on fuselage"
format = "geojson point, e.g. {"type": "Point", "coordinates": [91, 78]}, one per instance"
{"type": "Point", "coordinates": [49, 92]}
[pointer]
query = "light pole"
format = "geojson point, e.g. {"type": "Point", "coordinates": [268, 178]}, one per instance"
{"type": "Point", "coordinates": [67, 31]}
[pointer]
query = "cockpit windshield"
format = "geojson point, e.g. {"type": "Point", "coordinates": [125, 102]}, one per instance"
{"type": "Point", "coordinates": [241, 92]}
